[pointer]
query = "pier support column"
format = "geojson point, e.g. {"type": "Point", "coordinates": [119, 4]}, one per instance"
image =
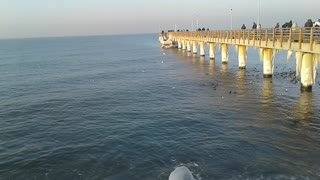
{"type": "Point", "coordinates": [212, 51]}
{"type": "Point", "coordinates": [308, 72]}
{"type": "Point", "coordinates": [188, 46]}
{"type": "Point", "coordinates": [224, 54]}
{"type": "Point", "coordinates": [267, 63]}
{"type": "Point", "coordinates": [184, 45]}
{"type": "Point", "coordinates": [194, 47]}
{"type": "Point", "coordinates": [202, 53]}
{"type": "Point", "coordinates": [242, 56]}
{"type": "Point", "coordinates": [179, 44]}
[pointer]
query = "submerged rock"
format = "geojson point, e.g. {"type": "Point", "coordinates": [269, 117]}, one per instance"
{"type": "Point", "coordinates": [181, 173]}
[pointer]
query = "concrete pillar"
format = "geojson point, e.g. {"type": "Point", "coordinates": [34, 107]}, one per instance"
{"type": "Point", "coordinates": [308, 72]}
{"type": "Point", "coordinates": [184, 45]}
{"type": "Point", "coordinates": [202, 53]}
{"type": "Point", "coordinates": [267, 63]}
{"type": "Point", "coordinates": [212, 55]}
{"type": "Point", "coordinates": [242, 56]}
{"type": "Point", "coordinates": [194, 47]}
{"type": "Point", "coordinates": [224, 53]}
{"type": "Point", "coordinates": [179, 44]}
{"type": "Point", "coordinates": [188, 46]}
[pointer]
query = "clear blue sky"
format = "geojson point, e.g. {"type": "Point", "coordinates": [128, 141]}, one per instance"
{"type": "Point", "coordinates": [43, 18]}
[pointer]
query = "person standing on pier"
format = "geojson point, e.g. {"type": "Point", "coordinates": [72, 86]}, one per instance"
{"type": "Point", "coordinates": [277, 26]}
{"type": "Point", "coordinates": [254, 25]}
{"type": "Point", "coordinates": [308, 23]}
{"type": "Point", "coordinates": [243, 26]}
{"type": "Point", "coordinates": [294, 26]}
{"type": "Point", "coordinates": [316, 23]}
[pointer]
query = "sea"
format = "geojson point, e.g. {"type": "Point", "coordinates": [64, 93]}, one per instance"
{"type": "Point", "coordinates": [120, 107]}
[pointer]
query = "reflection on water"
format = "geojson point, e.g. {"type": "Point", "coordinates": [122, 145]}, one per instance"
{"type": "Point", "coordinates": [267, 92]}
{"type": "Point", "coordinates": [212, 67]}
{"type": "Point", "coordinates": [194, 58]}
{"type": "Point", "coordinates": [202, 60]}
{"type": "Point", "coordinates": [224, 69]}
{"type": "Point", "coordinates": [241, 74]}
{"type": "Point", "coordinates": [242, 82]}
{"type": "Point", "coordinates": [304, 110]}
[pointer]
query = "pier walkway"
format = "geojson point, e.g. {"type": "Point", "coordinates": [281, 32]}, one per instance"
{"type": "Point", "coordinates": [305, 42]}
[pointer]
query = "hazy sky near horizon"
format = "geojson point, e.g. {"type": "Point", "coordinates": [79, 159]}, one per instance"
{"type": "Point", "coordinates": [45, 18]}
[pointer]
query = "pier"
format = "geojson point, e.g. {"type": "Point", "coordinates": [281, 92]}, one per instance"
{"type": "Point", "coordinates": [305, 42]}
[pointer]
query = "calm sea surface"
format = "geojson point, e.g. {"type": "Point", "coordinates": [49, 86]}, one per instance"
{"type": "Point", "coordinates": [122, 108]}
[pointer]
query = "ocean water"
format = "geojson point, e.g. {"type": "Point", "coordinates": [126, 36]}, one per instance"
{"type": "Point", "coordinates": [122, 108]}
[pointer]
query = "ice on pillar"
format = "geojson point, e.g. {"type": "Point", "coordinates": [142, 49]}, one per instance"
{"type": "Point", "coordinates": [268, 58]}
{"type": "Point", "coordinates": [202, 51]}
{"type": "Point", "coordinates": [184, 45]}
{"type": "Point", "coordinates": [212, 51]}
{"type": "Point", "coordinates": [188, 46]}
{"type": "Point", "coordinates": [194, 47]}
{"type": "Point", "coordinates": [224, 53]}
{"type": "Point", "coordinates": [308, 71]}
{"type": "Point", "coordinates": [242, 56]}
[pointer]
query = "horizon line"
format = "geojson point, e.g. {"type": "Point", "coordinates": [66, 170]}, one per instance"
{"type": "Point", "coordinates": [70, 36]}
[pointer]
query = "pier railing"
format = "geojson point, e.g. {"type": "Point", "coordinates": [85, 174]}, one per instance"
{"type": "Point", "coordinates": [296, 39]}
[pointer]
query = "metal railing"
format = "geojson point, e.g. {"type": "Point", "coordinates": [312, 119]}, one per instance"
{"type": "Point", "coordinates": [282, 34]}
{"type": "Point", "coordinates": [300, 36]}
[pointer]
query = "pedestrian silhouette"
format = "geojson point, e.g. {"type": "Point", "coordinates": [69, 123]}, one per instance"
{"type": "Point", "coordinates": [254, 25]}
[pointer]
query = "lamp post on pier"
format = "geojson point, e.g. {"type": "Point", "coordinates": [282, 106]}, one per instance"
{"type": "Point", "coordinates": [258, 18]}
{"type": "Point", "coordinates": [192, 25]}
{"type": "Point", "coordinates": [197, 22]}
{"type": "Point", "coordinates": [231, 19]}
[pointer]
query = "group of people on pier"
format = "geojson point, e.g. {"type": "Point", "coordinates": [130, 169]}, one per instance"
{"type": "Point", "coordinates": [308, 24]}
{"type": "Point", "coordinates": [254, 26]}
{"type": "Point", "coordinates": [199, 29]}
{"type": "Point", "coordinates": [289, 24]}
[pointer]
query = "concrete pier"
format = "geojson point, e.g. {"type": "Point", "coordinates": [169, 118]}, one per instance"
{"type": "Point", "coordinates": [184, 45]}
{"type": "Point", "coordinates": [224, 54]}
{"type": "Point", "coordinates": [212, 50]}
{"type": "Point", "coordinates": [188, 46]}
{"type": "Point", "coordinates": [308, 72]}
{"type": "Point", "coordinates": [179, 44]}
{"type": "Point", "coordinates": [194, 47]}
{"type": "Point", "coordinates": [305, 42]}
{"type": "Point", "coordinates": [202, 49]}
{"type": "Point", "coordinates": [242, 56]}
{"type": "Point", "coordinates": [267, 62]}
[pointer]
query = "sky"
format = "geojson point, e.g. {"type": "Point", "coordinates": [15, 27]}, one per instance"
{"type": "Point", "coordinates": [50, 18]}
